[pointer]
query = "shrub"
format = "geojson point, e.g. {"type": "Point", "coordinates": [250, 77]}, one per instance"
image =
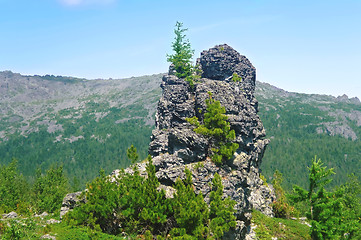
{"type": "Point", "coordinates": [281, 207]}
{"type": "Point", "coordinates": [217, 129]}
{"type": "Point", "coordinates": [14, 190]}
{"type": "Point", "coordinates": [50, 189]}
{"type": "Point", "coordinates": [236, 78]}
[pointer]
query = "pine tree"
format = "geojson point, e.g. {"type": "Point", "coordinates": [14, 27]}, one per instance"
{"type": "Point", "coordinates": [325, 208]}
{"type": "Point", "coordinates": [221, 210]}
{"type": "Point", "coordinates": [183, 53]}
{"type": "Point", "coordinates": [217, 129]}
{"type": "Point", "coordinates": [13, 187]}
{"type": "Point", "coordinates": [132, 154]}
{"type": "Point", "coordinates": [190, 210]}
{"type": "Point", "coordinates": [182, 57]}
{"type": "Point", "coordinates": [50, 189]}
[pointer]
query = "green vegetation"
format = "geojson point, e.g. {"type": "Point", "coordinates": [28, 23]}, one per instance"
{"type": "Point", "coordinates": [236, 78]}
{"type": "Point", "coordinates": [100, 144]}
{"type": "Point", "coordinates": [281, 206]}
{"type": "Point", "coordinates": [132, 204]}
{"type": "Point", "coordinates": [132, 154]}
{"type": "Point", "coordinates": [217, 129]}
{"type": "Point", "coordinates": [328, 211]}
{"type": "Point", "coordinates": [182, 57]}
{"type": "Point", "coordinates": [50, 189]}
{"type": "Point", "coordinates": [291, 121]}
{"type": "Point", "coordinates": [61, 79]}
{"type": "Point", "coordinates": [44, 195]}
{"type": "Point", "coordinates": [36, 227]}
{"type": "Point", "coordinates": [13, 187]}
{"type": "Point", "coordinates": [268, 228]}
{"type": "Point", "coordinates": [333, 214]}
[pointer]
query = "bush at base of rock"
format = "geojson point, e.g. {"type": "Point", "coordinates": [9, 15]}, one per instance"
{"type": "Point", "coordinates": [132, 204]}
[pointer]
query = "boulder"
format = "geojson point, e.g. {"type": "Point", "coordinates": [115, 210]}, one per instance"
{"type": "Point", "coordinates": [71, 201]}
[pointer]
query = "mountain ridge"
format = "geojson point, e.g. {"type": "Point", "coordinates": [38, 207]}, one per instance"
{"type": "Point", "coordinates": [72, 113]}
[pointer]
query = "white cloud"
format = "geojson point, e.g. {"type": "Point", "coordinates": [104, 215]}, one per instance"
{"type": "Point", "coordinates": [84, 2]}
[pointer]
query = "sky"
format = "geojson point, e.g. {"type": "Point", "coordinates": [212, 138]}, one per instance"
{"type": "Point", "coordinates": [309, 46]}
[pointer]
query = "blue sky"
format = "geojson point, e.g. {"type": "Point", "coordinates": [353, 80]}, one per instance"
{"type": "Point", "coordinates": [304, 46]}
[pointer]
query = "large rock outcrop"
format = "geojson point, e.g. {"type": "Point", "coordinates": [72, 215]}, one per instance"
{"type": "Point", "coordinates": [175, 146]}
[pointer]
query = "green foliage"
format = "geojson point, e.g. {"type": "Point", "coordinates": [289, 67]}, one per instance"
{"type": "Point", "coordinates": [217, 129]}
{"type": "Point", "coordinates": [83, 158]}
{"type": "Point", "coordinates": [14, 190]}
{"type": "Point", "coordinates": [131, 201]}
{"type": "Point", "coordinates": [182, 57]}
{"type": "Point", "coordinates": [221, 210]}
{"type": "Point", "coordinates": [14, 229]}
{"type": "Point", "coordinates": [132, 154]}
{"type": "Point", "coordinates": [291, 121]}
{"type": "Point", "coordinates": [281, 206]}
{"type": "Point", "coordinates": [50, 189]}
{"type": "Point", "coordinates": [351, 214]}
{"type": "Point", "coordinates": [264, 180]}
{"type": "Point", "coordinates": [133, 204]}
{"type": "Point", "coordinates": [330, 217]}
{"type": "Point", "coordinates": [98, 212]}
{"type": "Point", "coordinates": [236, 78]}
{"type": "Point", "coordinates": [183, 53]}
{"type": "Point", "coordinates": [36, 227]}
{"type": "Point", "coordinates": [190, 210]}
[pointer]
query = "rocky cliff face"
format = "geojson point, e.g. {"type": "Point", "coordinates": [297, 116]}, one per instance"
{"type": "Point", "coordinates": [175, 146]}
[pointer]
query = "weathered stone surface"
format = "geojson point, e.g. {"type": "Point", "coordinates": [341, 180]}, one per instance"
{"type": "Point", "coordinates": [71, 201]}
{"type": "Point", "coordinates": [175, 146]}
{"type": "Point", "coordinates": [48, 236]}
{"type": "Point", "coordinates": [220, 62]}
{"type": "Point", "coordinates": [10, 215]}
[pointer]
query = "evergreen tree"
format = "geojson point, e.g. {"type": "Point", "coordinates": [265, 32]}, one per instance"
{"type": "Point", "coordinates": [325, 208]}
{"type": "Point", "coordinates": [190, 210]}
{"type": "Point", "coordinates": [132, 154]}
{"type": "Point", "coordinates": [183, 53]}
{"type": "Point", "coordinates": [98, 212]}
{"type": "Point", "coordinates": [217, 129]}
{"type": "Point", "coordinates": [221, 210]}
{"type": "Point", "coordinates": [182, 57]}
{"type": "Point", "coordinates": [351, 214]}
{"type": "Point", "coordinates": [14, 190]}
{"type": "Point", "coordinates": [50, 189]}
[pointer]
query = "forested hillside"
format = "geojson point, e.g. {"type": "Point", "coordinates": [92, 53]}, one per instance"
{"type": "Point", "coordinates": [301, 126]}
{"type": "Point", "coordinates": [86, 125]}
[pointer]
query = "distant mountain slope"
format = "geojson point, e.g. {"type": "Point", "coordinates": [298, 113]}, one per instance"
{"type": "Point", "coordinates": [301, 126]}
{"type": "Point", "coordinates": [88, 124]}
{"type": "Point", "coordinates": [85, 125]}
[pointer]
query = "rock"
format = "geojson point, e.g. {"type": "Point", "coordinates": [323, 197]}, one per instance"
{"type": "Point", "coordinates": [47, 236]}
{"type": "Point", "coordinates": [44, 214]}
{"type": "Point", "coordinates": [175, 146]}
{"type": "Point", "coordinates": [10, 215]}
{"type": "Point", "coordinates": [52, 221]}
{"type": "Point", "coordinates": [71, 201]}
{"type": "Point", "coordinates": [220, 62]}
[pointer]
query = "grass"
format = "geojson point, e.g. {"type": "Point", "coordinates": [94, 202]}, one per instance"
{"type": "Point", "coordinates": [36, 227]}
{"type": "Point", "coordinates": [268, 228]}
